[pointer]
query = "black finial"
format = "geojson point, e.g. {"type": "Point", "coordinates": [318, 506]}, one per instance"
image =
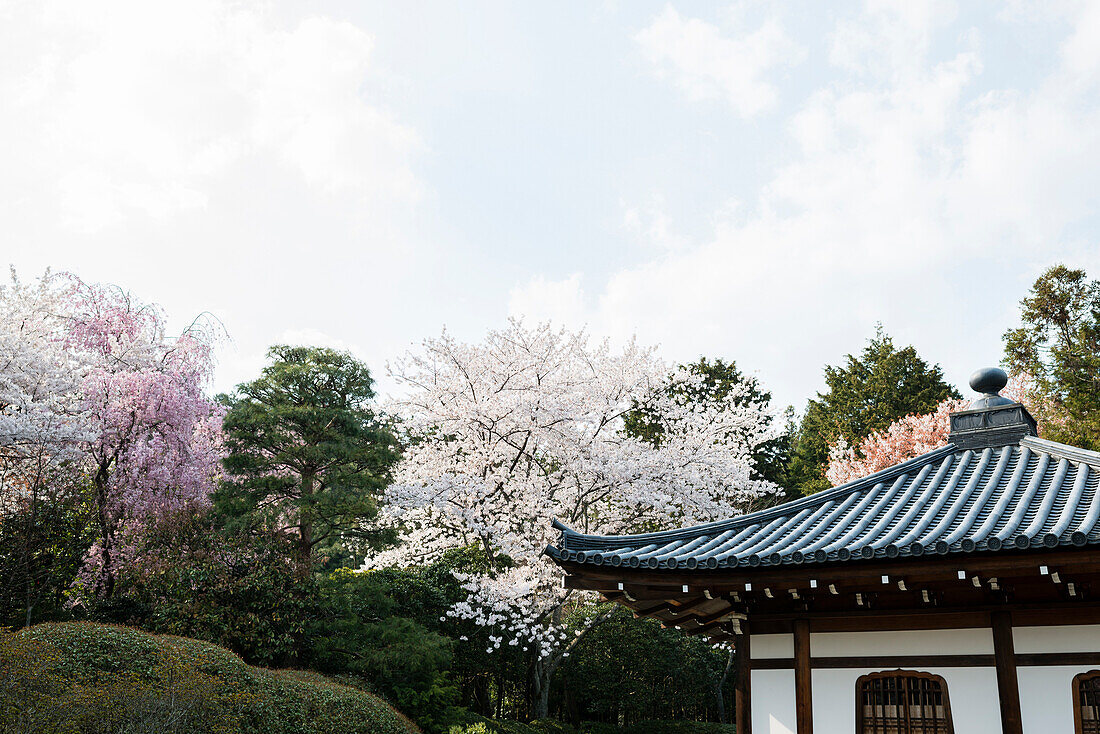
{"type": "Point", "coordinates": [989, 381]}
{"type": "Point", "coordinates": [991, 420]}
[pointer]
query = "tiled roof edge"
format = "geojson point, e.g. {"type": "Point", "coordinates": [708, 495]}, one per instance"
{"type": "Point", "coordinates": [772, 512]}
{"type": "Point", "coordinates": [1070, 452]}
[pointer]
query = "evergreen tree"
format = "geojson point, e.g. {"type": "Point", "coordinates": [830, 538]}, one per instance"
{"type": "Point", "coordinates": [1058, 347]}
{"type": "Point", "coordinates": [722, 383]}
{"type": "Point", "coordinates": [307, 454]}
{"type": "Point", "coordinates": [866, 394]}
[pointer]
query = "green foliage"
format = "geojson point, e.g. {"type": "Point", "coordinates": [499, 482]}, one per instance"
{"type": "Point", "coordinates": [660, 727]}
{"type": "Point", "coordinates": [82, 678]}
{"type": "Point", "coordinates": [42, 547]}
{"type": "Point", "coordinates": [865, 395]}
{"type": "Point", "coordinates": [306, 451]}
{"type": "Point", "coordinates": [1058, 346]}
{"type": "Point", "coordinates": [630, 670]}
{"type": "Point", "coordinates": [193, 579]}
{"type": "Point", "coordinates": [358, 632]}
{"type": "Point", "coordinates": [481, 725]}
{"type": "Point", "coordinates": [487, 726]}
{"type": "Point", "coordinates": [722, 382]}
{"type": "Point", "coordinates": [391, 627]}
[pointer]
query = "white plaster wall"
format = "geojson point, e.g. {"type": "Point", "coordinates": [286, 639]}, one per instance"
{"type": "Point", "coordinates": [1046, 698]}
{"type": "Point", "coordinates": [767, 647]}
{"type": "Point", "coordinates": [975, 707]}
{"type": "Point", "coordinates": [1065, 638]}
{"type": "Point", "coordinates": [916, 642]}
{"type": "Point", "coordinates": [773, 709]}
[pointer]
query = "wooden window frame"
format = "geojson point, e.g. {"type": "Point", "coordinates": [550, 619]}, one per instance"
{"type": "Point", "coordinates": [1078, 723]}
{"type": "Point", "coordinates": [899, 672]}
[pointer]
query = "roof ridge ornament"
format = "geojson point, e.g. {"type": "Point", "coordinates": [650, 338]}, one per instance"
{"type": "Point", "coordinates": [991, 420]}
{"type": "Point", "coordinates": [989, 381]}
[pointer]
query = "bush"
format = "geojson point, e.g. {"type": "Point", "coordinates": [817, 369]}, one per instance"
{"type": "Point", "coordinates": [84, 678]}
{"type": "Point", "coordinates": [479, 725]}
{"type": "Point", "coordinates": [196, 580]}
{"type": "Point", "coordinates": [661, 727]}
{"type": "Point", "coordinates": [358, 631]}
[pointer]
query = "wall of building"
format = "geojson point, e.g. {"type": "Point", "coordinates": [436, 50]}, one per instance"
{"type": "Point", "coordinates": [1046, 691]}
{"type": "Point", "coordinates": [972, 692]}
{"type": "Point", "coordinates": [773, 709]}
{"type": "Point", "coordinates": [1046, 697]}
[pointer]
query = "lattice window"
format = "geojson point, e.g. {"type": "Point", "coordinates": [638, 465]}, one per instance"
{"type": "Point", "coordinates": [1086, 702]}
{"type": "Point", "coordinates": [902, 702]}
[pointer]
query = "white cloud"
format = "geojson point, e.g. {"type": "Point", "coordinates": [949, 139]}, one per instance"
{"type": "Point", "coordinates": [912, 191]}
{"type": "Point", "coordinates": [133, 107]}
{"type": "Point", "coordinates": [561, 301]}
{"type": "Point", "coordinates": [709, 65]}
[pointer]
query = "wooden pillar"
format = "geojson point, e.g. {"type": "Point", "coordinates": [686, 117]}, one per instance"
{"type": "Point", "coordinates": [803, 702]}
{"type": "Point", "coordinates": [742, 693]}
{"type": "Point", "coordinates": [1008, 688]}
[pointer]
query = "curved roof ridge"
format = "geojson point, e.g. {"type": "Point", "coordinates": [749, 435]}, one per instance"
{"type": "Point", "coordinates": [1062, 450]}
{"type": "Point", "coordinates": [787, 508]}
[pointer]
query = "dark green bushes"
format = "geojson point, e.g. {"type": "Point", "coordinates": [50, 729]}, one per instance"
{"type": "Point", "coordinates": [486, 726]}
{"type": "Point", "coordinates": [631, 670]}
{"type": "Point", "coordinates": [83, 678]}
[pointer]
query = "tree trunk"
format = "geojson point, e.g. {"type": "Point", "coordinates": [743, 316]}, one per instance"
{"type": "Point", "coordinates": [305, 523]}
{"type": "Point", "coordinates": [540, 683]}
{"type": "Point", "coordinates": [100, 483]}
{"type": "Point", "coordinates": [544, 668]}
{"type": "Point", "coordinates": [721, 684]}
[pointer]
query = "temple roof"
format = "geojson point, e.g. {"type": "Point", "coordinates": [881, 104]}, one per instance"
{"type": "Point", "coordinates": [968, 496]}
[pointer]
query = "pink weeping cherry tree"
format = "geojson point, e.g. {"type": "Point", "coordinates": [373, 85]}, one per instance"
{"type": "Point", "coordinates": [93, 389]}
{"type": "Point", "coordinates": [152, 443]}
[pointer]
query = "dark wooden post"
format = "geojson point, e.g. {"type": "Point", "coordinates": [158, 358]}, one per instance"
{"type": "Point", "coordinates": [1008, 688]}
{"type": "Point", "coordinates": [803, 702]}
{"type": "Point", "coordinates": [742, 693]}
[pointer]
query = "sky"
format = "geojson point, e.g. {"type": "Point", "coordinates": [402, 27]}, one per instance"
{"type": "Point", "coordinates": [761, 182]}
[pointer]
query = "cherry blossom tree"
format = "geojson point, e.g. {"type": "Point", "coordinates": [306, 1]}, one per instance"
{"type": "Point", "coordinates": [92, 385]}
{"type": "Point", "coordinates": [527, 427]}
{"type": "Point", "coordinates": [905, 438]}
{"type": "Point", "coordinates": [40, 406]}
{"type": "Point", "coordinates": [40, 432]}
{"type": "Point", "coordinates": [153, 443]}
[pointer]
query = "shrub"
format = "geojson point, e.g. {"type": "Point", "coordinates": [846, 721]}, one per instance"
{"type": "Point", "coordinates": [358, 631]}
{"type": "Point", "coordinates": [84, 678]}
{"type": "Point", "coordinates": [196, 580]}
{"type": "Point", "coordinates": [479, 725]}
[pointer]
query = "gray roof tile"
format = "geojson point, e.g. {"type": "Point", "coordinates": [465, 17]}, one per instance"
{"type": "Point", "coordinates": [1032, 494]}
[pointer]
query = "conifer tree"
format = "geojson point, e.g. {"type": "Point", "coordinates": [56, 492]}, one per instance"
{"type": "Point", "coordinates": [307, 454]}
{"type": "Point", "coordinates": [1058, 348]}
{"type": "Point", "coordinates": [865, 395]}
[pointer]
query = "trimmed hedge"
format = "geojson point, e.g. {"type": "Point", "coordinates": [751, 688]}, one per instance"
{"type": "Point", "coordinates": [84, 678]}
{"type": "Point", "coordinates": [487, 726]}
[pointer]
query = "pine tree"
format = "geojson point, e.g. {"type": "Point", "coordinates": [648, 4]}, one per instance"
{"type": "Point", "coordinates": [865, 395]}
{"type": "Point", "coordinates": [1058, 348]}
{"type": "Point", "coordinates": [723, 383]}
{"type": "Point", "coordinates": [307, 454]}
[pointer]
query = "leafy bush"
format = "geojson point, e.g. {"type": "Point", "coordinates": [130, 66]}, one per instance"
{"type": "Point", "coordinates": [358, 632]}
{"type": "Point", "coordinates": [84, 678]}
{"type": "Point", "coordinates": [238, 591]}
{"type": "Point", "coordinates": [479, 725]}
{"type": "Point", "coordinates": [632, 670]}
{"type": "Point", "coordinates": [660, 727]}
